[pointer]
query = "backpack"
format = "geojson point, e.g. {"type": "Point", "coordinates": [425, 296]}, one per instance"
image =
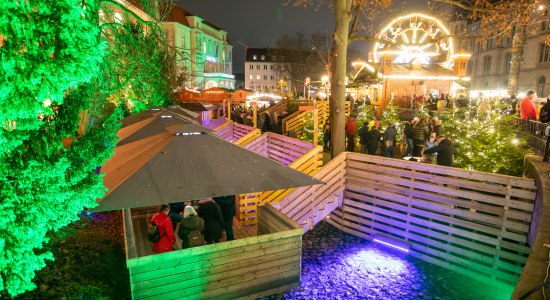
{"type": "Point", "coordinates": [545, 113]}
{"type": "Point", "coordinates": [195, 239]}
{"type": "Point", "coordinates": [153, 234]}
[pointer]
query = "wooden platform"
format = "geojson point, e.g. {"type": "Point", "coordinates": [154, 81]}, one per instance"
{"type": "Point", "coordinates": [142, 217]}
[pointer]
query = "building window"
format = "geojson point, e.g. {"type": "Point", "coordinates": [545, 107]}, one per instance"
{"type": "Point", "coordinates": [487, 64]}
{"type": "Point", "coordinates": [507, 61]}
{"type": "Point", "coordinates": [258, 77]}
{"type": "Point", "coordinates": [544, 53]}
{"type": "Point", "coordinates": [478, 46]}
{"type": "Point", "coordinates": [272, 67]}
{"type": "Point", "coordinates": [272, 77]}
{"type": "Point", "coordinates": [263, 57]}
{"type": "Point", "coordinates": [265, 77]}
{"type": "Point", "coordinates": [257, 67]}
{"type": "Point", "coordinates": [254, 57]}
{"type": "Point", "coordinates": [251, 76]}
{"type": "Point", "coordinates": [266, 88]}
{"type": "Point", "coordinates": [541, 84]}
{"type": "Point", "coordinates": [544, 25]}
{"type": "Point", "coordinates": [470, 67]}
{"type": "Point", "coordinates": [490, 43]}
{"type": "Point", "coordinates": [273, 87]}
{"type": "Point", "coordinates": [265, 67]}
{"type": "Point", "coordinates": [274, 58]}
{"type": "Point", "coordinates": [251, 67]}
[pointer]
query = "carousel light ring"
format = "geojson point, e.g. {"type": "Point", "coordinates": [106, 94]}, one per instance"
{"type": "Point", "coordinates": [415, 38]}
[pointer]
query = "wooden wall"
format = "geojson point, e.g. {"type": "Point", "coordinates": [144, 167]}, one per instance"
{"type": "Point", "coordinates": [237, 133]}
{"type": "Point", "coordinates": [469, 222]}
{"type": "Point", "coordinates": [246, 268]}
{"type": "Point", "coordinates": [216, 123]}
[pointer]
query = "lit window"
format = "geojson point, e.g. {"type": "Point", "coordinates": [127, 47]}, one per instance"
{"type": "Point", "coordinates": [487, 64]}
{"type": "Point", "coordinates": [254, 57]}
{"type": "Point", "coordinates": [263, 57]}
{"type": "Point", "coordinates": [541, 84]}
{"type": "Point", "coordinates": [544, 53]}
{"type": "Point", "coordinates": [251, 76]}
{"type": "Point", "coordinates": [258, 77]}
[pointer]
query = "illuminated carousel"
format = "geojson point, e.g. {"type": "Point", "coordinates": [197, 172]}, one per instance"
{"type": "Point", "coordinates": [414, 56]}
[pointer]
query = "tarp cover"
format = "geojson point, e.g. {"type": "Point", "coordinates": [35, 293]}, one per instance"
{"type": "Point", "coordinates": [168, 165]}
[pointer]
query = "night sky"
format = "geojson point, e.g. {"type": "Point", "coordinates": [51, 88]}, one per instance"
{"type": "Point", "coordinates": [258, 23]}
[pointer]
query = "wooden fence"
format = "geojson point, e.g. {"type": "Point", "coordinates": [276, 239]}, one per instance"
{"type": "Point", "coordinates": [216, 123]}
{"type": "Point", "coordinates": [248, 268]}
{"type": "Point", "coordinates": [299, 155]}
{"type": "Point", "coordinates": [470, 222]}
{"type": "Point", "coordinates": [237, 133]}
{"type": "Point", "coordinates": [295, 122]}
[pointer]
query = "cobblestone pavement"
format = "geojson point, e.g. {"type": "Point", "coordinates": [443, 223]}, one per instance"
{"type": "Point", "coordinates": [337, 265]}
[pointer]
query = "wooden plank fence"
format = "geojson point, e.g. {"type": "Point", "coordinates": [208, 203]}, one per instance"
{"type": "Point", "coordinates": [469, 222]}
{"type": "Point", "coordinates": [299, 155]}
{"type": "Point", "coordinates": [247, 268]}
{"type": "Point", "coordinates": [216, 123]}
{"type": "Point", "coordinates": [295, 122]}
{"type": "Point", "coordinates": [237, 133]}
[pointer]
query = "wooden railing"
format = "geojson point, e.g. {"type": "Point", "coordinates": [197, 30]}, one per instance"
{"type": "Point", "coordinates": [252, 267]}
{"type": "Point", "coordinates": [277, 108]}
{"type": "Point", "coordinates": [237, 133]}
{"type": "Point", "coordinates": [216, 123]}
{"type": "Point", "coordinates": [470, 222]}
{"type": "Point", "coordinates": [299, 155]}
{"type": "Point", "coordinates": [539, 138]}
{"type": "Point", "coordinates": [294, 121]}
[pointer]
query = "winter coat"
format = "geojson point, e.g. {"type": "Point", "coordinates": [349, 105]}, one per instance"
{"type": "Point", "coordinates": [373, 138]}
{"type": "Point", "coordinates": [167, 238]}
{"type": "Point", "coordinates": [409, 130]}
{"type": "Point", "coordinates": [210, 212]}
{"type": "Point", "coordinates": [266, 125]}
{"type": "Point", "coordinates": [444, 152]}
{"type": "Point", "coordinates": [363, 134]}
{"type": "Point", "coordinates": [390, 135]}
{"type": "Point", "coordinates": [527, 109]}
{"type": "Point", "coordinates": [189, 224]}
{"type": "Point", "coordinates": [420, 133]}
{"type": "Point", "coordinates": [438, 128]}
{"type": "Point", "coordinates": [227, 206]}
{"type": "Point", "coordinates": [350, 127]}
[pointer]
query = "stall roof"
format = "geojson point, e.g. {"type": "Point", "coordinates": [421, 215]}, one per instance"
{"type": "Point", "coordinates": [152, 166]}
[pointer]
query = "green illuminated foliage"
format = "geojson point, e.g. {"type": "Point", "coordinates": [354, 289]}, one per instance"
{"type": "Point", "coordinates": [66, 79]}
{"type": "Point", "coordinates": [486, 142]}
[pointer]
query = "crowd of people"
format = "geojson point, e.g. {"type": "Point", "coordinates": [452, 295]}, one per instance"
{"type": "Point", "coordinates": [267, 121]}
{"type": "Point", "coordinates": [419, 136]}
{"type": "Point", "coordinates": [196, 225]}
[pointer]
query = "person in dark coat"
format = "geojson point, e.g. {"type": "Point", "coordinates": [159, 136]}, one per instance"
{"type": "Point", "coordinates": [266, 125]}
{"type": "Point", "coordinates": [191, 222]}
{"type": "Point", "coordinates": [420, 135]}
{"type": "Point", "coordinates": [166, 230]}
{"type": "Point", "coordinates": [390, 140]}
{"type": "Point", "coordinates": [176, 213]}
{"type": "Point", "coordinates": [326, 136]}
{"type": "Point", "coordinates": [210, 212]}
{"type": "Point", "coordinates": [444, 151]}
{"type": "Point", "coordinates": [363, 133]}
{"type": "Point", "coordinates": [227, 206]}
{"type": "Point", "coordinates": [373, 138]}
{"type": "Point", "coordinates": [408, 132]}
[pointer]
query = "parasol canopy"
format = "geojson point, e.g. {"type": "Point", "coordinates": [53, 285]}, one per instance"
{"type": "Point", "coordinates": [163, 158]}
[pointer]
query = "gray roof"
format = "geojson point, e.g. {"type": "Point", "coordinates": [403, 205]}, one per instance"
{"type": "Point", "coordinates": [152, 166]}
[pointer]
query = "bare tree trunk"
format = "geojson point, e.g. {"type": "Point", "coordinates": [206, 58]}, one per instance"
{"type": "Point", "coordinates": [342, 12]}
{"type": "Point", "coordinates": [517, 58]}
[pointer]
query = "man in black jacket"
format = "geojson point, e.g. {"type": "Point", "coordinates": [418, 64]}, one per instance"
{"type": "Point", "coordinates": [228, 209]}
{"type": "Point", "coordinates": [444, 150]}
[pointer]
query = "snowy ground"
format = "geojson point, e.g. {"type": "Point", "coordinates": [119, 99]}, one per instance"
{"type": "Point", "coordinates": [336, 265]}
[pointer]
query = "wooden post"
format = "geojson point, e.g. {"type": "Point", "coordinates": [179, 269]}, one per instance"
{"type": "Point", "coordinates": [223, 108]}
{"type": "Point", "coordinates": [255, 114]}
{"type": "Point", "coordinates": [229, 109]}
{"type": "Point", "coordinates": [315, 124]}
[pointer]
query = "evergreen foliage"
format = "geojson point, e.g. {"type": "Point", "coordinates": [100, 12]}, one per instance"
{"type": "Point", "coordinates": [307, 129]}
{"type": "Point", "coordinates": [487, 143]}
{"type": "Point", "coordinates": [66, 81]}
{"type": "Point", "coordinates": [391, 114]}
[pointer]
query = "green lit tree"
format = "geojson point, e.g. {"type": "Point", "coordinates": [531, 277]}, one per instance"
{"type": "Point", "coordinates": [366, 114]}
{"type": "Point", "coordinates": [308, 129]}
{"type": "Point", "coordinates": [63, 67]}
{"type": "Point", "coordinates": [486, 143]}
{"type": "Point", "coordinates": [391, 114]}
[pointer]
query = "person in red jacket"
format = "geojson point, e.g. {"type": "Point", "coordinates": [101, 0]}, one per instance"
{"type": "Point", "coordinates": [350, 133]}
{"type": "Point", "coordinates": [527, 108]}
{"type": "Point", "coordinates": [164, 224]}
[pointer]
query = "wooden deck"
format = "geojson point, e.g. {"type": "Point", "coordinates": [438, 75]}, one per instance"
{"type": "Point", "coordinates": [142, 217]}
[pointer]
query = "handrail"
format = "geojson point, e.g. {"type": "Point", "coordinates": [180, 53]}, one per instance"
{"type": "Point", "coordinates": [539, 137]}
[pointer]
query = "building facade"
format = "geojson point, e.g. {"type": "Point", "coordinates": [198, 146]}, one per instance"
{"type": "Point", "coordinates": [206, 54]}
{"type": "Point", "coordinates": [265, 70]}
{"type": "Point", "coordinates": [489, 65]}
